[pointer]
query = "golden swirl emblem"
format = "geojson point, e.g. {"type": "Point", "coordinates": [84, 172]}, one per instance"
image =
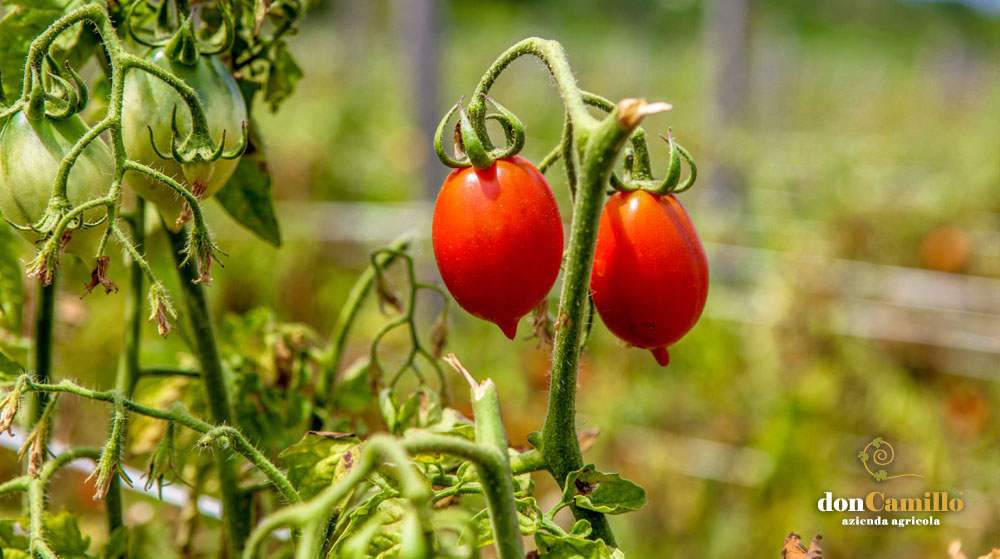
{"type": "Point", "coordinates": [882, 455]}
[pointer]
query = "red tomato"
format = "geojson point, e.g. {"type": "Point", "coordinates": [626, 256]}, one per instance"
{"type": "Point", "coordinates": [498, 240]}
{"type": "Point", "coordinates": [650, 275]}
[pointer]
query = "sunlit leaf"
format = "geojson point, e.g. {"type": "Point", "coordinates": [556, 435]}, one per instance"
{"type": "Point", "coordinates": [318, 459]}
{"type": "Point", "coordinates": [551, 546]}
{"type": "Point", "coordinates": [606, 493]}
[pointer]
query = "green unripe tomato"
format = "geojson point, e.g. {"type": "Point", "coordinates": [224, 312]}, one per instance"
{"type": "Point", "coordinates": [150, 102]}
{"type": "Point", "coordinates": [30, 154]}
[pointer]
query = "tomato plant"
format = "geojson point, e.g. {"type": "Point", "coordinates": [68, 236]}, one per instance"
{"type": "Point", "coordinates": [498, 240]}
{"type": "Point", "coordinates": [650, 275]}
{"type": "Point", "coordinates": [311, 458]}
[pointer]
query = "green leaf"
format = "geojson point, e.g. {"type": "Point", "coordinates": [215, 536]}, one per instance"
{"type": "Point", "coordinates": [8, 367]}
{"type": "Point", "coordinates": [11, 283]}
{"type": "Point", "coordinates": [248, 196]}
{"type": "Point", "coordinates": [430, 412]}
{"type": "Point", "coordinates": [551, 546]}
{"type": "Point", "coordinates": [24, 20]}
{"type": "Point", "coordinates": [881, 475]}
{"type": "Point", "coordinates": [353, 391]}
{"type": "Point", "coordinates": [877, 442]}
{"type": "Point", "coordinates": [582, 528]}
{"type": "Point", "coordinates": [318, 460]}
{"type": "Point", "coordinates": [64, 535]}
{"type": "Point", "coordinates": [358, 518]}
{"type": "Point", "coordinates": [284, 75]}
{"type": "Point", "coordinates": [529, 519]}
{"type": "Point", "coordinates": [408, 411]}
{"type": "Point", "coordinates": [452, 422]}
{"type": "Point", "coordinates": [863, 456]}
{"type": "Point", "coordinates": [379, 535]}
{"type": "Point", "coordinates": [605, 493]}
{"type": "Point", "coordinates": [9, 538]}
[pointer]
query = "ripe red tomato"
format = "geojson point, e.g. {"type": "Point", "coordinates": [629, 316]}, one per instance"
{"type": "Point", "coordinates": [498, 240]}
{"type": "Point", "coordinates": [650, 275]}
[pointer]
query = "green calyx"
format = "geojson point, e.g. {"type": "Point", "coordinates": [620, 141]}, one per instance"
{"type": "Point", "coordinates": [183, 47]}
{"type": "Point", "coordinates": [57, 92]}
{"type": "Point", "coordinates": [638, 173]}
{"type": "Point", "coordinates": [472, 144]}
{"type": "Point", "coordinates": [181, 43]}
{"type": "Point", "coordinates": [198, 147]}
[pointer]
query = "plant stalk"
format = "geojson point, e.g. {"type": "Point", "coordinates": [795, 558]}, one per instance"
{"type": "Point", "coordinates": [128, 367]}
{"type": "Point", "coordinates": [559, 440]}
{"type": "Point", "coordinates": [41, 358]}
{"type": "Point", "coordinates": [235, 515]}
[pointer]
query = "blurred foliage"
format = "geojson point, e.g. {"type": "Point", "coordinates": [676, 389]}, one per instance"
{"type": "Point", "coordinates": [867, 133]}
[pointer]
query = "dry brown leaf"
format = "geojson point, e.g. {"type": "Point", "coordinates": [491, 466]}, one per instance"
{"type": "Point", "coordinates": [793, 548]}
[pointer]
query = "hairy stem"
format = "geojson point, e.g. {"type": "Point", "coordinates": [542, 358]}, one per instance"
{"type": "Point", "coordinates": [216, 385]}
{"type": "Point", "coordinates": [128, 367]}
{"type": "Point", "coordinates": [179, 415]}
{"type": "Point", "coordinates": [559, 441]}
{"type": "Point", "coordinates": [41, 356]}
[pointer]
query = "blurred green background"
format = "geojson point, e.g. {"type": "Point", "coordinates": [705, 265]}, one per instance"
{"type": "Point", "coordinates": [848, 198]}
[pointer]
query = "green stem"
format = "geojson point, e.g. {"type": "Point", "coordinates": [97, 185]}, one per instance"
{"type": "Point", "coordinates": [37, 488]}
{"type": "Point", "coordinates": [317, 509]}
{"type": "Point", "coordinates": [213, 376]}
{"type": "Point", "coordinates": [348, 313]}
{"type": "Point", "coordinates": [495, 475]}
{"type": "Point", "coordinates": [41, 362]}
{"type": "Point", "coordinates": [128, 367]}
{"type": "Point", "coordinates": [179, 415]}
{"type": "Point", "coordinates": [559, 441]}
{"type": "Point", "coordinates": [551, 54]}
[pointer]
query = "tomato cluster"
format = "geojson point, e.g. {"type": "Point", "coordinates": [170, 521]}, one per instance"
{"type": "Point", "coordinates": [498, 242]}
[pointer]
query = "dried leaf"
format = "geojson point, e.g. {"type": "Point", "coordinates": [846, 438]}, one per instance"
{"type": "Point", "coordinates": [793, 548]}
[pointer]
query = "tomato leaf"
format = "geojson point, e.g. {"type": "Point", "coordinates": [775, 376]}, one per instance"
{"type": "Point", "coordinates": [10, 539]}
{"type": "Point", "coordinates": [551, 546]}
{"type": "Point", "coordinates": [11, 284]}
{"type": "Point", "coordinates": [24, 20]}
{"type": "Point", "coordinates": [605, 493]}
{"type": "Point", "coordinates": [353, 391]}
{"type": "Point", "coordinates": [529, 518]}
{"type": "Point", "coordinates": [64, 535]}
{"type": "Point", "coordinates": [284, 75]}
{"type": "Point", "coordinates": [9, 368]}
{"type": "Point", "coordinates": [317, 460]}
{"type": "Point", "coordinates": [248, 197]}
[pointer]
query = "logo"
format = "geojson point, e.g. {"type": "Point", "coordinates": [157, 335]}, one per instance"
{"type": "Point", "coordinates": [875, 457]}
{"type": "Point", "coordinates": [883, 455]}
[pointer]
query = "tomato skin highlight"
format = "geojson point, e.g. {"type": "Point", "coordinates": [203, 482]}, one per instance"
{"type": "Point", "coordinates": [498, 240]}
{"type": "Point", "coordinates": [650, 276]}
